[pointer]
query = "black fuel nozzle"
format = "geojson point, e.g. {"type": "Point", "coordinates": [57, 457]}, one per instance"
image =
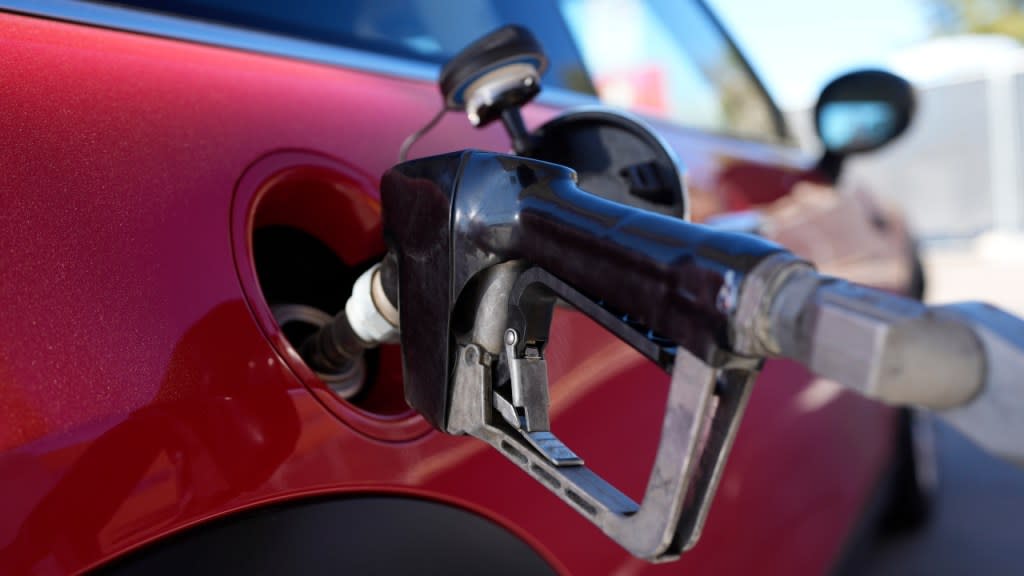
{"type": "Point", "coordinates": [486, 244]}
{"type": "Point", "coordinates": [449, 217]}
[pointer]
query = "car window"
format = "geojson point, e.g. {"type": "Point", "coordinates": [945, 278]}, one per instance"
{"type": "Point", "coordinates": [427, 30]}
{"type": "Point", "coordinates": [670, 59]}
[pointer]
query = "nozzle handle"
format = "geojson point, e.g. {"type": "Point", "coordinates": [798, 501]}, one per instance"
{"type": "Point", "coordinates": [677, 278]}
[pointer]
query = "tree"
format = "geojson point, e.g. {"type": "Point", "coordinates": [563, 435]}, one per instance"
{"type": "Point", "coordinates": [1004, 17]}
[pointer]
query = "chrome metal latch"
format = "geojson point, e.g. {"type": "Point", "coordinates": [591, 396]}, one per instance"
{"type": "Point", "coordinates": [527, 410]}
{"type": "Point", "coordinates": [705, 405]}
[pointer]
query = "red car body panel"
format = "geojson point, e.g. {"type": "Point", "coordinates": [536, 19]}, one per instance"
{"type": "Point", "coordinates": [145, 388]}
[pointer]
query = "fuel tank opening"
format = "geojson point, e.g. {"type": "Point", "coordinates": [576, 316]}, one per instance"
{"type": "Point", "coordinates": [304, 284]}
{"type": "Point", "coordinates": [304, 227]}
{"type": "Point", "coordinates": [299, 322]}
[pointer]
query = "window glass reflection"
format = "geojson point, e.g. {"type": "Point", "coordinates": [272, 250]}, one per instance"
{"type": "Point", "coordinates": [667, 58]}
{"type": "Point", "coordinates": [855, 124]}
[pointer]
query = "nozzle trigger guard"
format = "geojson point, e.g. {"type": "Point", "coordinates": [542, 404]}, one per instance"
{"type": "Point", "coordinates": [705, 405]}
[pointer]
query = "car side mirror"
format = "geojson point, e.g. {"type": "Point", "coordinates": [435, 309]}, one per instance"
{"type": "Point", "coordinates": [859, 112]}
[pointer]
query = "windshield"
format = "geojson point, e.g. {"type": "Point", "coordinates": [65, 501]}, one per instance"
{"type": "Point", "coordinates": [670, 59]}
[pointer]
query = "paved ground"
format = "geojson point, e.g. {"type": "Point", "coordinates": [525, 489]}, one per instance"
{"type": "Point", "coordinates": [978, 527]}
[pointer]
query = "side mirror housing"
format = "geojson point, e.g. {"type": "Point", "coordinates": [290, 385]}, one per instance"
{"type": "Point", "coordinates": [859, 112]}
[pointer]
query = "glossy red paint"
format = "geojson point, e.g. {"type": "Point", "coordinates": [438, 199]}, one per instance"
{"type": "Point", "coordinates": [144, 388]}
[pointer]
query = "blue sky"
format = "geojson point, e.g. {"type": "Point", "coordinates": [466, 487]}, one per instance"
{"type": "Point", "coordinates": [796, 46]}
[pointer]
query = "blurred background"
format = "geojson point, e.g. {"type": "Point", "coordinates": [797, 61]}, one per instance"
{"type": "Point", "coordinates": [956, 174]}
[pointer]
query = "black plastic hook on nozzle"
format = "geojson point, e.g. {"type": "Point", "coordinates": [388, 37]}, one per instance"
{"type": "Point", "coordinates": [493, 78]}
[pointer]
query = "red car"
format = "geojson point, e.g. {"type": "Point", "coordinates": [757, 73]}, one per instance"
{"type": "Point", "coordinates": [188, 185]}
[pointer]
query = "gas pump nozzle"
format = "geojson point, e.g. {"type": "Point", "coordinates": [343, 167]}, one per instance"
{"type": "Point", "coordinates": [449, 218]}
{"type": "Point", "coordinates": [965, 361]}
{"type": "Point", "coordinates": [486, 243]}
